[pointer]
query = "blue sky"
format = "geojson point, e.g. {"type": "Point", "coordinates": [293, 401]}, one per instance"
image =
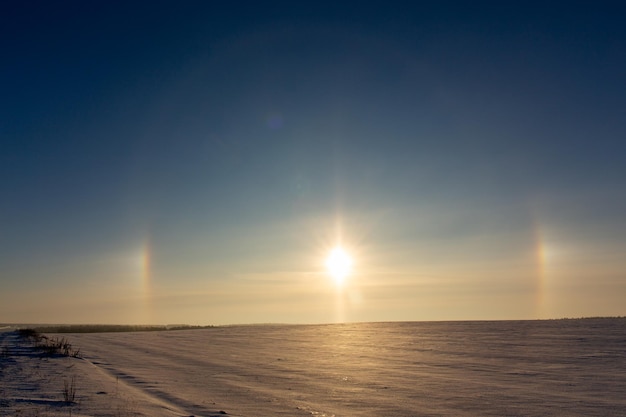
{"type": "Point", "coordinates": [164, 162]}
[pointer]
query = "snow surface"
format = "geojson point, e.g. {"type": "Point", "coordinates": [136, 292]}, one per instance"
{"type": "Point", "coordinates": [505, 368]}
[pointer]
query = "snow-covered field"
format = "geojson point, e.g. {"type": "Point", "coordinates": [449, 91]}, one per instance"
{"type": "Point", "coordinates": [507, 368]}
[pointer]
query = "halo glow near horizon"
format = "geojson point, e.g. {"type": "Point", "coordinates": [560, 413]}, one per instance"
{"type": "Point", "coordinates": [338, 264]}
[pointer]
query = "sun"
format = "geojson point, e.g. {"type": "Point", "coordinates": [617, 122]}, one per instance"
{"type": "Point", "coordinates": [339, 264]}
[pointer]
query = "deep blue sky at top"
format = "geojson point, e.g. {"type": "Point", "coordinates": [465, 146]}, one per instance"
{"type": "Point", "coordinates": [185, 120]}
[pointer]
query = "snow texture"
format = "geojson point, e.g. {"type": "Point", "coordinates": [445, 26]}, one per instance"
{"type": "Point", "coordinates": [503, 368]}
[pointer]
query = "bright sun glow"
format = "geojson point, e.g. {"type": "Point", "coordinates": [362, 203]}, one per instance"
{"type": "Point", "coordinates": [339, 264]}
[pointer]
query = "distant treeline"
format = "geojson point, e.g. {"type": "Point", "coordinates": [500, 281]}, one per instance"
{"type": "Point", "coordinates": [110, 328]}
{"type": "Point", "coordinates": [591, 318]}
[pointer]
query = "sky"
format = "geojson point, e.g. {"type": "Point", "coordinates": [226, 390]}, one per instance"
{"type": "Point", "coordinates": [195, 162]}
